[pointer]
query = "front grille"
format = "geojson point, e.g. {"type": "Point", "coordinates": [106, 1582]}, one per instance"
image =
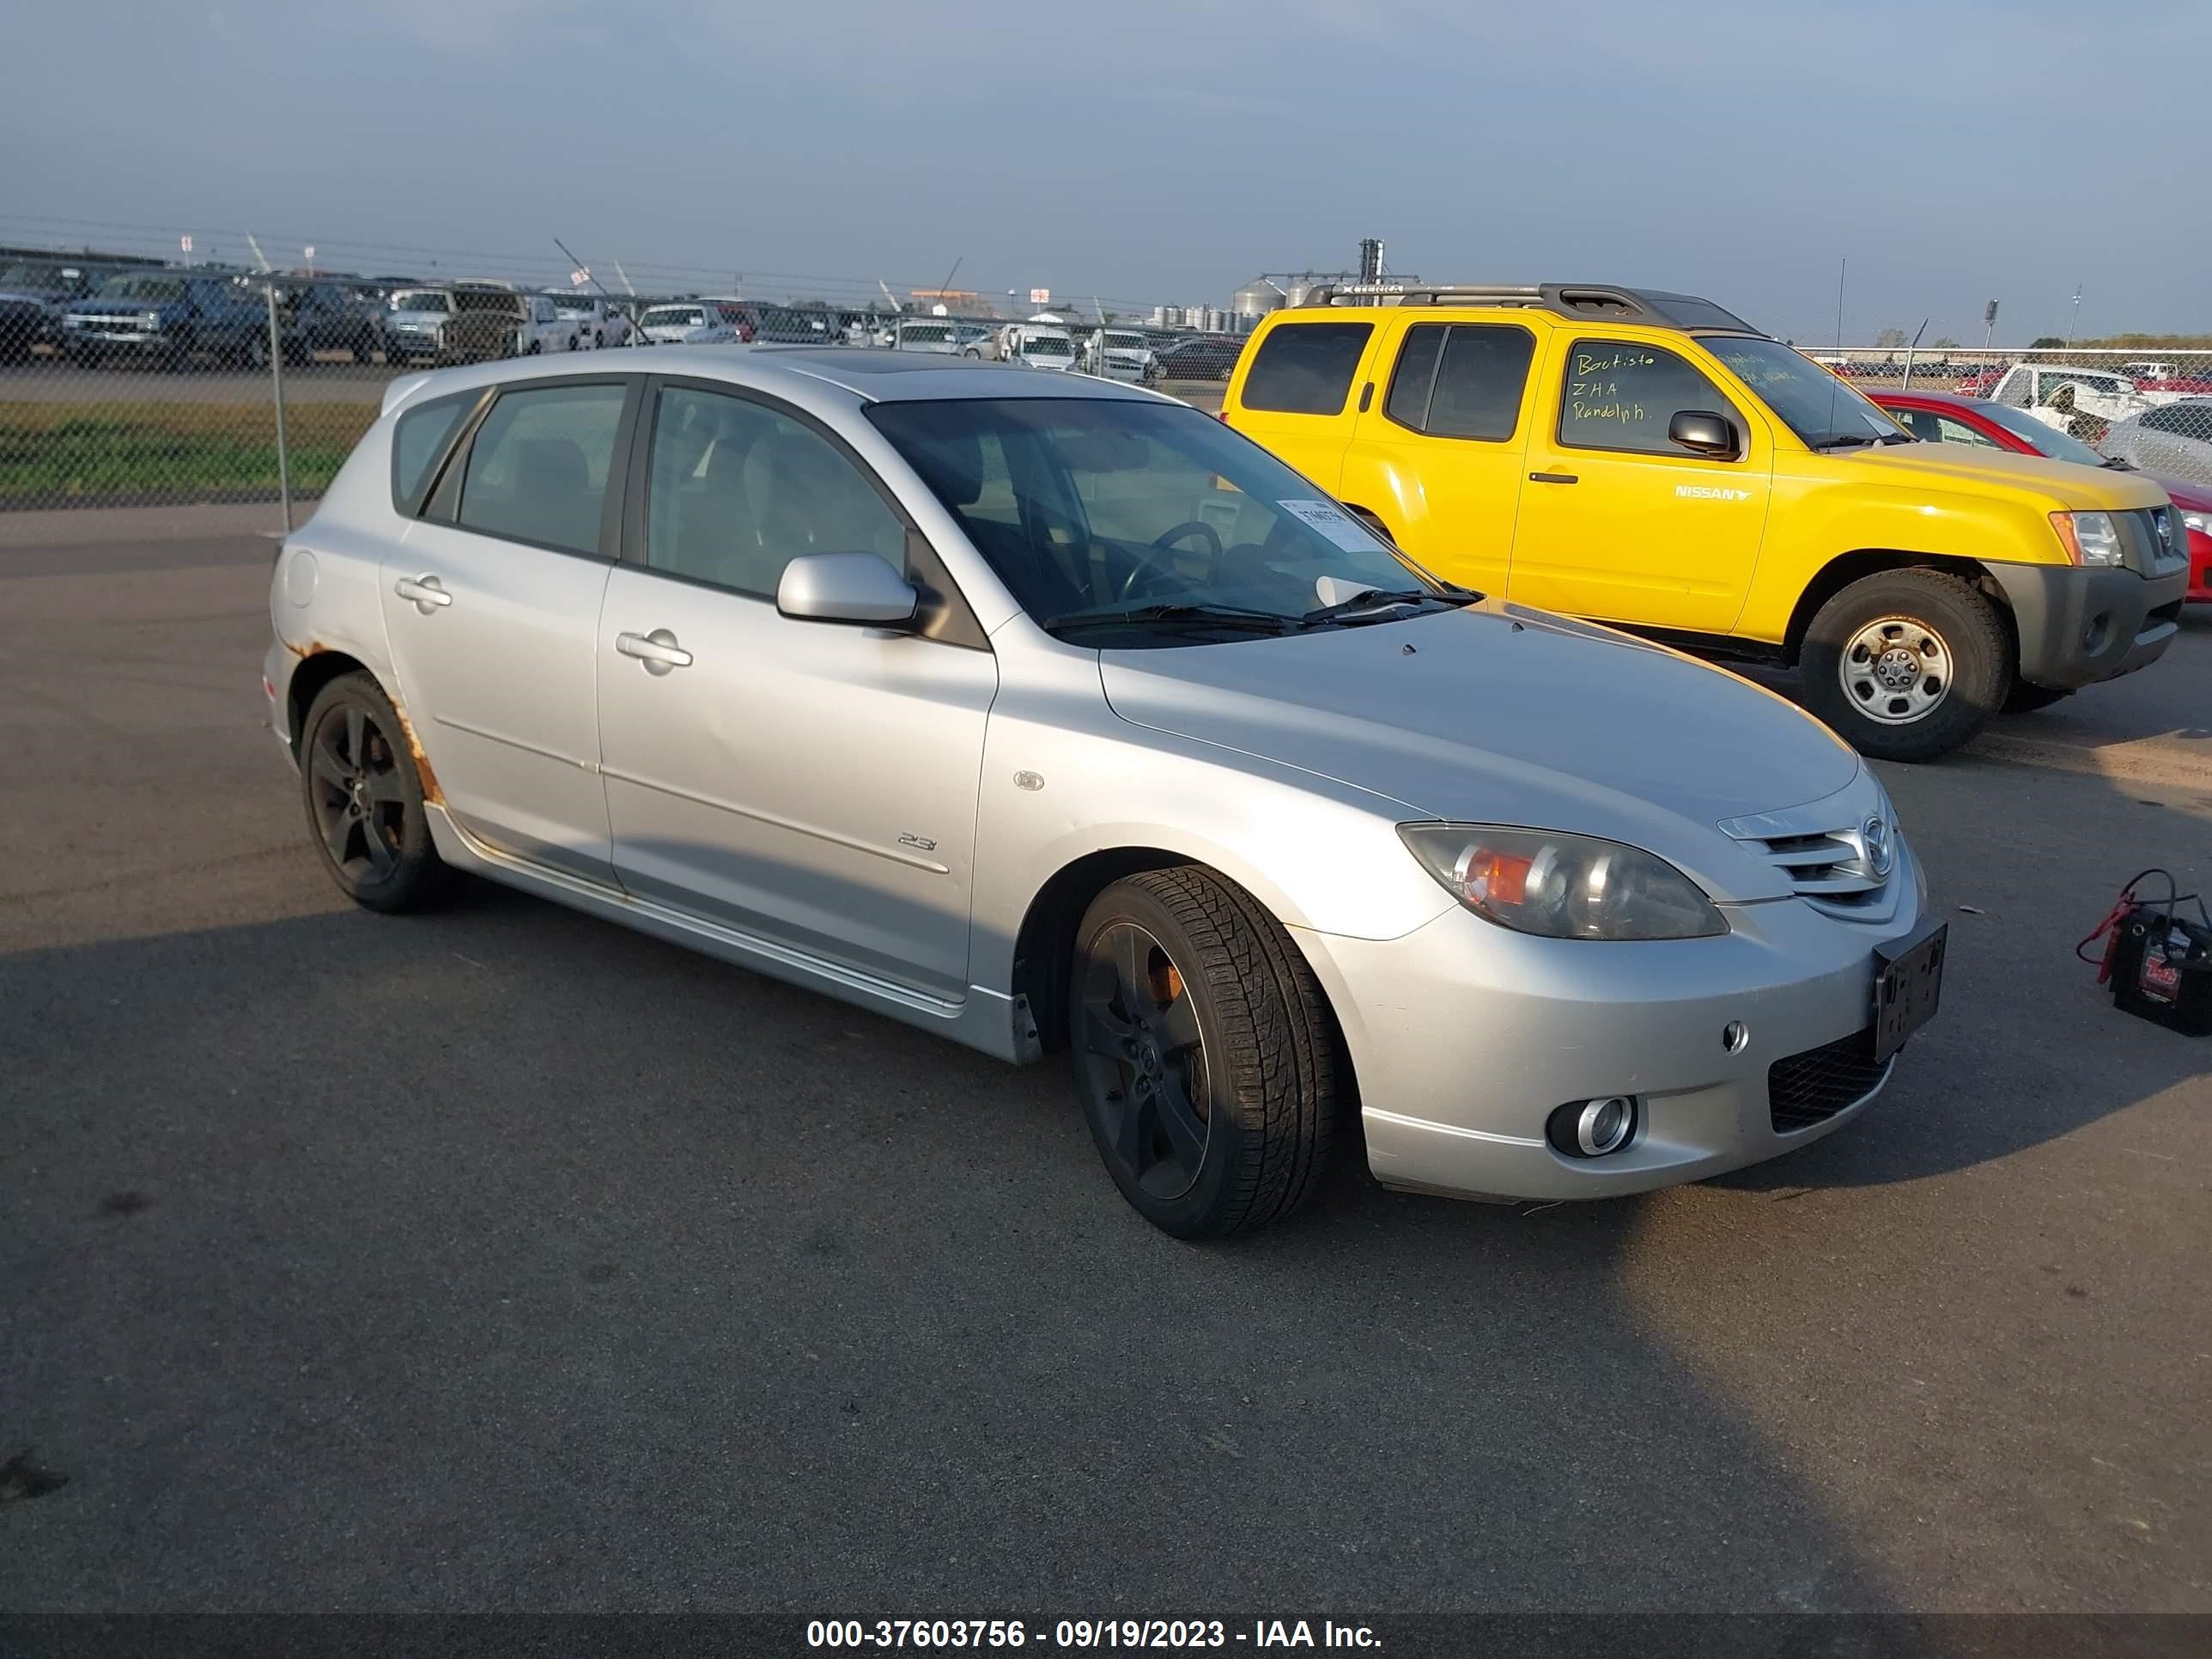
{"type": "Point", "coordinates": [1831, 868]}
{"type": "Point", "coordinates": [2146, 551]}
{"type": "Point", "coordinates": [1811, 1088]}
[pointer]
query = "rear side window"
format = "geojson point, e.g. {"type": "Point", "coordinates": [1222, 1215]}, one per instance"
{"type": "Point", "coordinates": [1620, 395]}
{"type": "Point", "coordinates": [417, 441]}
{"type": "Point", "coordinates": [1463, 381]}
{"type": "Point", "coordinates": [1306, 368]}
{"type": "Point", "coordinates": [537, 470]}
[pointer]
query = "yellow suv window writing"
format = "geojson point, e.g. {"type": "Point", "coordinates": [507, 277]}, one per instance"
{"type": "Point", "coordinates": [1619, 394]}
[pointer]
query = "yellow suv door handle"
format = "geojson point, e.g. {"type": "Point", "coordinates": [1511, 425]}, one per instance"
{"type": "Point", "coordinates": [1554, 477]}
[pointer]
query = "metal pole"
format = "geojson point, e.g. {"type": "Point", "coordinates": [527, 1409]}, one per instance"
{"type": "Point", "coordinates": [277, 386]}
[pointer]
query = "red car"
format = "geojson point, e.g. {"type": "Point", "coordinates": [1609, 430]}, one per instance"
{"type": "Point", "coordinates": [1943, 418]}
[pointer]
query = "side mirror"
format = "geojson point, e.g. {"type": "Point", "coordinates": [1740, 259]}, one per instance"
{"type": "Point", "coordinates": [845, 587]}
{"type": "Point", "coordinates": [1702, 432]}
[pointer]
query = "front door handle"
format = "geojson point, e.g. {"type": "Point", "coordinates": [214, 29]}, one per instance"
{"type": "Point", "coordinates": [657, 650]}
{"type": "Point", "coordinates": [1554, 477]}
{"type": "Point", "coordinates": [427, 592]}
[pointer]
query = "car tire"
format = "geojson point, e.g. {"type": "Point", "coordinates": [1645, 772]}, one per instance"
{"type": "Point", "coordinates": [2025, 699]}
{"type": "Point", "coordinates": [362, 792]}
{"type": "Point", "coordinates": [1212, 1107]}
{"type": "Point", "coordinates": [1906, 664]}
{"type": "Point", "coordinates": [599, 342]}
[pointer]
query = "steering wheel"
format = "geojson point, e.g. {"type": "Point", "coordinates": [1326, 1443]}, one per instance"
{"type": "Point", "coordinates": [1142, 578]}
{"type": "Point", "coordinates": [1168, 539]}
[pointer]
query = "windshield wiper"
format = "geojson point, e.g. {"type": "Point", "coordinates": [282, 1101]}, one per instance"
{"type": "Point", "coordinates": [1846, 441]}
{"type": "Point", "coordinates": [1381, 598]}
{"type": "Point", "coordinates": [1175, 615]}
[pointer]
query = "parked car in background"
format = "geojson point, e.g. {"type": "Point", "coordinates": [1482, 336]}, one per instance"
{"type": "Point", "coordinates": [1199, 357]}
{"type": "Point", "coordinates": [591, 320]}
{"type": "Point", "coordinates": [2172, 441]}
{"type": "Point", "coordinates": [495, 320]}
{"type": "Point", "coordinates": [944, 337]}
{"type": "Point", "coordinates": [2166, 383]}
{"type": "Point", "coordinates": [1649, 460]}
{"type": "Point", "coordinates": [1257, 821]}
{"type": "Point", "coordinates": [168, 317]}
{"type": "Point", "coordinates": [414, 325]}
{"type": "Point", "coordinates": [1118, 354]}
{"type": "Point", "coordinates": [314, 317]}
{"type": "Point", "coordinates": [1935, 417]}
{"type": "Point", "coordinates": [1036, 345]}
{"type": "Point", "coordinates": [2080, 401]}
{"type": "Point", "coordinates": [694, 322]}
{"type": "Point", "coordinates": [33, 295]}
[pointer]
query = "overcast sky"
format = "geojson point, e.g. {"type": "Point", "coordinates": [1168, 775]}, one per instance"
{"type": "Point", "coordinates": [1164, 150]}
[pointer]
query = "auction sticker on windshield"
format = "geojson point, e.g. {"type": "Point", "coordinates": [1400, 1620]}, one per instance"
{"type": "Point", "coordinates": [1334, 522]}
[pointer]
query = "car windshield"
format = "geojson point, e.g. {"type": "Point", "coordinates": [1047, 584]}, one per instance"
{"type": "Point", "coordinates": [1093, 510]}
{"type": "Point", "coordinates": [2047, 439]}
{"type": "Point", "coordinates": [1046, 346]}
{"type": "Point", "coordinates": [36, 279]}
{"type": "Point", "coordinates": [1815, 404]}
{"type": "Point", "coordinates": [569, 305]}
{"type": "Point", "coordinates": [420, 302]}
{"type": "Point", "coordinates": [675, 317]}
{"type": "Point", "coordinates": [496, 300]}
{"type": "Point", "coordinates": [139, 285]}
{"type": "Point", "coordinates": [1125, 342]}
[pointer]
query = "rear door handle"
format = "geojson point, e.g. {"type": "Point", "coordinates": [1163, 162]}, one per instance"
{"type": "Point", "coordinates": [657, 650]}
{"type": "Point", "coordinates": [1554, 477]}
{"type": "Point", "coordinates": [427, 592]}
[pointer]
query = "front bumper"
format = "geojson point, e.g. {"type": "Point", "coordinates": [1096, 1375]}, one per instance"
{"type": "Point", "coordinates": [2200, 568]}
{"type": "Point", "coordinates": [1464, 1037]}
{"type": "Point", "coordinates": [2077, 627]}
{"type": "Point", "coordinates": [117, 339]}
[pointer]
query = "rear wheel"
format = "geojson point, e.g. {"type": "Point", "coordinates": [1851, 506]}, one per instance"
{"type": "Point", "coordinates": [1906, 664]}
{"type": "Point", "coordinates": [1204, 1054]}
{"type": "Point", "coordinates": [363, 795]}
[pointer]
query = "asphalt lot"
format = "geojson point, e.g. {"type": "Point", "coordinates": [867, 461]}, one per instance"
{"type": "Point", "coordinates": [503, 1258]}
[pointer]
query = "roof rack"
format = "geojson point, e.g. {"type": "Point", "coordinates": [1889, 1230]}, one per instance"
{"type": "Point", "coordinates": [1651, 307]}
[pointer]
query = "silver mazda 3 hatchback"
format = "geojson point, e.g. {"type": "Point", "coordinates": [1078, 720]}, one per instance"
{"type": "Point", "coordinates": [1052, 714]}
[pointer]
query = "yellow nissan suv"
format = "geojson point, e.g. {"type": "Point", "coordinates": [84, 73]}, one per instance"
{"type": "Point", "coordinates": [1648, 459]}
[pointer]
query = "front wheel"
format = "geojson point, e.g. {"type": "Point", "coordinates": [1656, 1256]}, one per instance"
{"type": "Point", "coordinates": [363, 795]}
{"type": "Point", "coordinates": [1907, 665]}
{"type": "Point", "coordinates": [1205, 1056]}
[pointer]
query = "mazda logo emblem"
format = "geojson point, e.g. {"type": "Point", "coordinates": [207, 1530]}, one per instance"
{"type": "Point", "coordinates": [1881, 852]}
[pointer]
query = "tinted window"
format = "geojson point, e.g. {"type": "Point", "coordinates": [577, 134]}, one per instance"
{"type": "Point", "coordinates": [1407, 403]}
{"type": "Point", "coordinates": [538, 470]}
{"type": "Point", "coordinates": [417, 441]}
{"type": "Point", "coordinates": [739, 490]}
{"type": "Point", "coordinates": [1306, 368]}
{"type": "Point", "coordinates": [1479, 382]}
{"type": "Point", "coordinates": [1620, 396]}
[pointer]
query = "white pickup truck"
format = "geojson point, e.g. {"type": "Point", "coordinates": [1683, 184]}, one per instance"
{"type": "Point", "coordinates": [2080, 401]}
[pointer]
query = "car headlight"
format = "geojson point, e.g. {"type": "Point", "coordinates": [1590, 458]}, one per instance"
{"type": "Point", "coordinates": [2090, 538]}
{"type": "Point", "coordinates": [150, 319]}
{"type": "Point", "coordinates": [1562, 886]}
{"type": "Point", "coordinates": [2198, 520]}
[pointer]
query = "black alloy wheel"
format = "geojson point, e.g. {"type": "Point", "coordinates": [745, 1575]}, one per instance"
{"type": "Point", "coordinates": [364, 798]}
{"type": "Point", "coordinates": [1143, 1061]}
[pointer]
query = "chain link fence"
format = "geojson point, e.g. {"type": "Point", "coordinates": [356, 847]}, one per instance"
{"type": "Point", "coordinates": [2150, 408]}
{"type": "Point", "coordinates": [131, 377]}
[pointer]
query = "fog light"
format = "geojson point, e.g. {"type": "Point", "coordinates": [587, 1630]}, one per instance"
{"type": "Point", "coordinates": [1592, 1129]}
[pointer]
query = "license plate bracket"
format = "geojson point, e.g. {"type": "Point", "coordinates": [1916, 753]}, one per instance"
{"type": "Point", "coordinates": [1908, 986]}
